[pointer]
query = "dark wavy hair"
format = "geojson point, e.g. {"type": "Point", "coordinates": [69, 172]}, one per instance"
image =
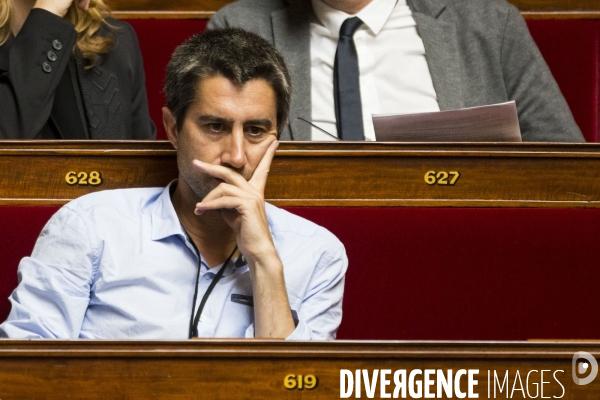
{"type": "Point", "coordinates": [235, 54]}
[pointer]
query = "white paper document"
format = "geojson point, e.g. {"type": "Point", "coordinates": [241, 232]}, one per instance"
{"type": "Point", "coordinates": [493, 123]}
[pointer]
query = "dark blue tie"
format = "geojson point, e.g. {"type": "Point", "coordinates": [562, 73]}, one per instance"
{"type": "Point", "coordinates": [346, 85]}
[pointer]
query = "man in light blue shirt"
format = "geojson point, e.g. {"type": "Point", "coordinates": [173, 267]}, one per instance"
{"type": "Point", "coordinates": [205, 256]}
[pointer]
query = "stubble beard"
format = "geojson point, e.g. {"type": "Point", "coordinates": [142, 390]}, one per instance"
{"type": "Point", "coordinates": [200, 183]}
{"type": "Point", "coordinates": [197, 181]}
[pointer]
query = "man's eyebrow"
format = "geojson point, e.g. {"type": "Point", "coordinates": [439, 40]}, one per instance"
{"type": "Point", "coordinates": [264, 122]}
{"type": "Point", "coordinates": [215, 119]}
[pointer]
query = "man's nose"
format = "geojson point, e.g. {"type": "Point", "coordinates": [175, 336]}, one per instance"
{"type": "Point", "coordinates": [235, 152]}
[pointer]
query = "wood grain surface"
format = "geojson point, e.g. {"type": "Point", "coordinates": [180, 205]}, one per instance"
{"type": "Point", "coordinates": [252, 369]}
{"type": "Point", "coordinates": [327, 174]}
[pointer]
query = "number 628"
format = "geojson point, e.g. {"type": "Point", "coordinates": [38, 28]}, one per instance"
{"type": "Point", "coordinates": [94, 178]}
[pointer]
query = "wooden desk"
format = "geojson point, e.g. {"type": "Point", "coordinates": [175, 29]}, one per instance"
{"type": "Point", "coordinates": [327, 174]}
{"type": "Point", "coordinates": [447, 268]}
{"type": "Point", "coordinates": [256, 369]}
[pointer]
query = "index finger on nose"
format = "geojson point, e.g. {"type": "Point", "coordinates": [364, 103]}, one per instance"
{"type": "Point", "coordinates": [218, 171]}
{"type": "Point", "coordinates": [261, 173]}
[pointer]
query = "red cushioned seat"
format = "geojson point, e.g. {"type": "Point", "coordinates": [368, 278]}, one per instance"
{"type": "Point", "coordinates": [19, 229]}
{"type": "Point", "coordinates": [433, 273]}
{"type": "Point", "coordinates": [158, 39]}
{"type": "Point", "coordinates": [467, 274]}
{"type": "Point", "coordinates": [572, 50]}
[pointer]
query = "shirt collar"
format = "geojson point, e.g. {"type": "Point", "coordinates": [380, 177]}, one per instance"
{"type": "Point", "coordinates": [374, 15]}
{"type": "Point", "coordinates": [165, 222]}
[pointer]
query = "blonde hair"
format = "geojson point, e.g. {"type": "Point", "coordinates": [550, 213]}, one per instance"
{"type": "Point", "coordinates": [90, 45]}
{"type": "Point", "coordinates": [4, 22]}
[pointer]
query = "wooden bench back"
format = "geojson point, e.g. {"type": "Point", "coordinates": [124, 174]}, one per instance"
{"type": "Point", "coordinates": [507, 253]}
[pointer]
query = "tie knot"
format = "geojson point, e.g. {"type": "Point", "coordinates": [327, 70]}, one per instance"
{"type": "Point", "coordinates": [350, 26]}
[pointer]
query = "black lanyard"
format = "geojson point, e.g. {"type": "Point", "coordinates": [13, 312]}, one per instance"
{"type": "Point", "coordinates": [194, 320]}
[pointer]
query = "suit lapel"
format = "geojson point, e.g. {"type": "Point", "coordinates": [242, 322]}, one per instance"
{"type": "Point", "coordinates": [101, 100]}
{"type": "Point", "coordinates": [441, 49]}
{"type": "Point", "coordinates": [86, 86]}
{"type": "Point", "coordinates": [291, 35]}
{"type": "Point", "coordinates": [4, 53]}
{"type": "Point", "coordinates": [78, 97]}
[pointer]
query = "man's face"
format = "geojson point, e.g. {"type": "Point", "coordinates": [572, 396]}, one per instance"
{"type": "Point", "coordinates": [227, 125]}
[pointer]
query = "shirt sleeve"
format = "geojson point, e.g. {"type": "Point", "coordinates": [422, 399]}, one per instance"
{"type": "Point", "coordinates": [53, 293]}
{"type": "Point", "coordinates": [320, 312]}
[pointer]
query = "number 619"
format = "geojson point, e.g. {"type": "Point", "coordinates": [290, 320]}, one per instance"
{"type": "Point", "coordinates": [300, 382]}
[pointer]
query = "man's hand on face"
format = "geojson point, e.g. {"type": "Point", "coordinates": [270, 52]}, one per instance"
{"type": "Point", "coordinates": [242, 204]}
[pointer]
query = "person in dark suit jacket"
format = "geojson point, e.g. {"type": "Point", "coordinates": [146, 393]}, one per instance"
{"type": "Point", "coordinates": [477, 52]}
{"type": "Point", "coordinates": [56, 83]}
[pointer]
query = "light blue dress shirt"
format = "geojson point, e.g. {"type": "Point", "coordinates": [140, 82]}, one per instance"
{"type": "Point", "coordinates": [117, 264]}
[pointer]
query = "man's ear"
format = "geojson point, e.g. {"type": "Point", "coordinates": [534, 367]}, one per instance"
{"type": "Point", "coordinates": [170, 124]}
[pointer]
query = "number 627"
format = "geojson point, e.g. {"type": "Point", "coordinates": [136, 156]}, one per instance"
{"type": "Point", "coordinates": [442, 178]}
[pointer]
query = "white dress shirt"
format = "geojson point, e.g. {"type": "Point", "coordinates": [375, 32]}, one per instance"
{"type": "Point", "coordinates": [117, 264]}
{"type": "Point", "coordinates": [394, 75]}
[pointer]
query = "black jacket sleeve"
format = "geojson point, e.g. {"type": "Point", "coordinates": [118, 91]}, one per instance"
{"type": "Point", "coordinates": [31, 67]}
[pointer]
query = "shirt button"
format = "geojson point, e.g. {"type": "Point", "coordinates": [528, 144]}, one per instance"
{"type": "Point", "coordinates": [202, 318]}
{"type": "Point", "coordinates": [52, 56]}
{"type": "Point", "coordinates": [207, 277]}
{"type": "Point", "coordinates": [47, 67]}
{"type": "Point", "coordinates": [57, 45]}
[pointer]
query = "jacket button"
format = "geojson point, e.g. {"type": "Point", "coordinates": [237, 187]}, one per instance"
{"type": "Point", "coordinates": [52, 56]}
{"type": "Point", "coordinates": [47, 67]}
{"type": "Point", "coordinates": [57, 45]}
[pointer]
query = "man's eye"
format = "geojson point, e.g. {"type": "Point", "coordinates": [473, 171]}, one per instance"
{"type": "Point", "coordinates": [255, 130]}
{"type": "Point", "coordinates": [215, 127]}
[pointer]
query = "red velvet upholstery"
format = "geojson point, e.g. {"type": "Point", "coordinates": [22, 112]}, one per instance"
{"type": "Point", "coordinates": [468, 274]}
{"type": "Point", "coordinates": [427, 273]}
{"type": "Point", "coordinates": [571, 48]}
{"type": "Point", "coordinates": [19, 229]}
{"type": "Point", "coordinates": [158, 39]}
